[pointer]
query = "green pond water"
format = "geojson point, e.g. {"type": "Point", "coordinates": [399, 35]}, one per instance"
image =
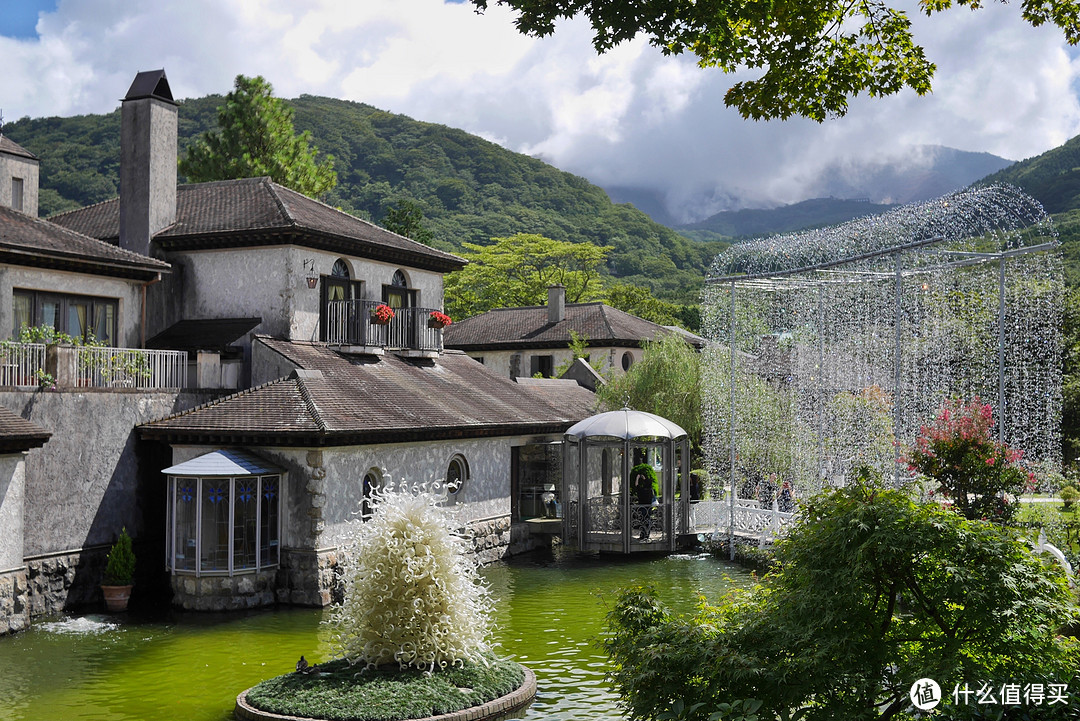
{"type": "Point", "coordinates": [191, 666]}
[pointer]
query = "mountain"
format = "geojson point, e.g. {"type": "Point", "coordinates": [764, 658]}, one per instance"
{"type": "Point", "coordinates": [469, 189]}
{"type": "Point", "coordinates": [814, 213]}
{"type": "Point", "coordinates": [1052, 178]}
{"type": "Point", "coordinates": [921, 173]}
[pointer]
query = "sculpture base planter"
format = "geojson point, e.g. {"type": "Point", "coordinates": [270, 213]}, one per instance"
{"type": "Point", "coordinates": [116, 597]}
{"type": "Point", "coordinates": [296, 696]}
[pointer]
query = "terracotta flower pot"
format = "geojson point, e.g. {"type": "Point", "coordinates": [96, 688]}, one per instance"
{"type": "Point", "coordinates": [116, 597]}
{"type": "Point", "coordinates": [432, 323]}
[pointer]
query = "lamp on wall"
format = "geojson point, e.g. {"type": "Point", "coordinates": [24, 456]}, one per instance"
{"type": "Point", "coordinates": [312, 276]}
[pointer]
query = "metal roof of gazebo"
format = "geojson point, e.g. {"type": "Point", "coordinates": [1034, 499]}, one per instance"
{"type": "Point", "coordinates": [627, 424]}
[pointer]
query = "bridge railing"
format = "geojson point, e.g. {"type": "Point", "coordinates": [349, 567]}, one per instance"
{"type": "Point", "coordinates": [763, 524]}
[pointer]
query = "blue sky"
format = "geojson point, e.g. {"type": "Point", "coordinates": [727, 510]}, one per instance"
{"type": "Point", "coordinates": [18, 17]}
{"type": "Point", "coordinates": [631, 117]}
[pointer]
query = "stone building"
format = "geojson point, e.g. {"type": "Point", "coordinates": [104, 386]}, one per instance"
{"type": "Point", "coordinates": [527, 341]}
{"type": "Point", "coordinates": [246, 357]}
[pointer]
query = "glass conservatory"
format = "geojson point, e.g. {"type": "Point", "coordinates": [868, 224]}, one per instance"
{"type": "Point", "coordinates": [223, 514]}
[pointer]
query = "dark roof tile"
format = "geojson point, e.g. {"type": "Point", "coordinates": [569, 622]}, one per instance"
{"type": "Point", "coordinates": [361, 399]}
{"type": "Point", "coordinates": [529, 327]}
{"type": "Point", "coordinates": [7, 145]}
{"type": "Point", "coordinates": [26, 240]}
{"type": "Point", "coordinates": [18, 434]}
{"type": "Point", "coordinates": [251, 211]}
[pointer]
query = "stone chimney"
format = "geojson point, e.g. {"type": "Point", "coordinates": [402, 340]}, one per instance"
{"type": "Point", "coordinates": [147, 161]}
{"type": "Point", "coordinates": [556, 303]}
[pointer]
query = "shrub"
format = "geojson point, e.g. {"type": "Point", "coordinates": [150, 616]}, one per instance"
{"type": "Point", "coordinates": [1069, 496]}
{"type": "Point", "coordinates": [871, 592]}
{"type": "Point", "coordinates": [412, 594]}
{"type": "Point", "coordinates": [120, 566]}
{"type": "Point", "coordinates": [972, 470]}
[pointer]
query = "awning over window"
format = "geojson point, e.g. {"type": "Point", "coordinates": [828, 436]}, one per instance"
{"type": "Point", "coordinates": [224, 463]}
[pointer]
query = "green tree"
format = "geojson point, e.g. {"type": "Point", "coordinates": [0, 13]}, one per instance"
{"type": "Point", "coordinates": [666, 381]}
{"type": "Point", "coordinates": [255, 137]}
{"type": "Point", "coordinates": [873, 591]}
{"type": "Point", "coordinates": [406, 218]}
{"type": "Point", "coordinates": [518, 270]}
{"type": "Point", "coordinates": [1070, 376]}
{"type": "Point", "coordinates": [815, 55]}
{"type": "Point", "coordinates": [639, 301]}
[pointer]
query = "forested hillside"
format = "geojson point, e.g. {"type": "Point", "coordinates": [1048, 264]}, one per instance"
{"type": "Point", "coordinates": [814, 213]}
{"type": "Point", "coordinates": [469, 189]}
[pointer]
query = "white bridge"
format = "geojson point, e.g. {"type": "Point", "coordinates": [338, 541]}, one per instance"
{"type": "Point", "coordinates": [751, 522]}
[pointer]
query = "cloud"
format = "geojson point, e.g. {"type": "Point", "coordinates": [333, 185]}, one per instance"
{"type": "Point", "coordinates": [631, 117]}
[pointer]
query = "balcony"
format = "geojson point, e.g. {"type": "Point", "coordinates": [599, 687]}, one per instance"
{"type": "Point", "coordinates": [30, 365]}
{"type": "Point", "coordinates": [350, 325]}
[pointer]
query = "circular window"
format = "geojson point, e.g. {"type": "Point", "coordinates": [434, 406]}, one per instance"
{"type": "Point", "coordinates": [627, 360]}
{"type": "Point", "coordinates": [456, 474]}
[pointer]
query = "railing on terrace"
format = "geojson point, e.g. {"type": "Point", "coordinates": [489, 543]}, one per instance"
{"type": "Point", "coordinates": [350, 322]}
{"type": "Point", "coordinates": [101, 367]}
{"type": "Point", "coordinates": [21, 364]}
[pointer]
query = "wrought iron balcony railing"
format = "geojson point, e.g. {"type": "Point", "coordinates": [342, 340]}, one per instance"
{"type": "Point", "coordinates": [353, 323]}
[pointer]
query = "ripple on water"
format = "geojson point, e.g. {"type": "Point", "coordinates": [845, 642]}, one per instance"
{"type": "Point", "coordinates": [80, 626]}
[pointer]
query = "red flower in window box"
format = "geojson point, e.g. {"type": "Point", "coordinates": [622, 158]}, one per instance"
{"type": "Point", "coordinates": [438, 319]}
{"type": "Point", "coordinates": [382, 315]}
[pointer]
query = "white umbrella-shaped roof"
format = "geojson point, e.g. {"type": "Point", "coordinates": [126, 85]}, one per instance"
{"type": "Point", "coordinates": [627, 424]}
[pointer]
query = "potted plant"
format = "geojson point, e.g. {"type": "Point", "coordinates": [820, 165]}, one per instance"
{"type": "Point", "coordinates": [382, 315]}
{"type": "Point", "coordinates": [438, 319]}
{"type": "Point", "coordinates": [119, 574]}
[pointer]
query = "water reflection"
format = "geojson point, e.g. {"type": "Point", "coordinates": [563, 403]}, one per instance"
{"type": "Point", "coordinates": [191, 666]}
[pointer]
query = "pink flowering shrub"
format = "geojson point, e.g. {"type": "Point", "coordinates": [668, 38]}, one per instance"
{"type": "Point", "coordinates": [972, 468]}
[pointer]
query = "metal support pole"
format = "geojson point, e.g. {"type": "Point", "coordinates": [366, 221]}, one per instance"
{"type": "Point", "coordinates": [821, 384]}
{"type": "Point", "coordinates": [897, 376]}
{"type": "Point", "coordinates": [1001, 351]}
{"type": "Point", "coordinates": [628, 525]}
{"type": "Point", "coordinates": [731, 424]}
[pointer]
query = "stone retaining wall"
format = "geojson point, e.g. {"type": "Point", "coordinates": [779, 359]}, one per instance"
{"type": "Point", "coordinates": [224, 593]}
{"type": "Point", "coordinates": [309, 578]}
{"type": "Point", "coordinates": [66, 580]}
{"type": "Point", "coordinates": [14, 601]}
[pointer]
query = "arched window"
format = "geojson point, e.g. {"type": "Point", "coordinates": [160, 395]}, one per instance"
{"type": "Point", "coordinates": [398, 294]}
{"type": "Point", "coordinates": [340, 269]}
{"type": "Point", "coordinates": [457, 472]}
{"type": "Point", "coordinates": [372, 480]}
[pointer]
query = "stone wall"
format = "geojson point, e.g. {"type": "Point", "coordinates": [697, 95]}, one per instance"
{"type": "Point", "coordinates": [14, 601]}
{"type": "Point", "coordinates": [224, 593]}
{"type": "Point", "coordinates": [65, 580]}
{"type": "Point", "coordinates": [309, 578]}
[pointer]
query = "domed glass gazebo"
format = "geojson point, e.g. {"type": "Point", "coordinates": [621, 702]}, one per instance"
{"type": "Point", "coordinates": [625, 490]}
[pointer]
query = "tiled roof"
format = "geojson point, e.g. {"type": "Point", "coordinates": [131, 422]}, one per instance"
{"type": "Point", "coordinates": [342, 400]}
{"type": "Point", "coordinates": [18, 434]}
{"type": "Point", "coordinates": [258, 211]}
{"type": "Point", "coordinates": [26, 240]}
{"type": "Point", "coordinates": [7, 145]}
{"type": "Point", "coordinates": [203, 334]}
{"type": "Point", "coordinates": [528, 327]}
